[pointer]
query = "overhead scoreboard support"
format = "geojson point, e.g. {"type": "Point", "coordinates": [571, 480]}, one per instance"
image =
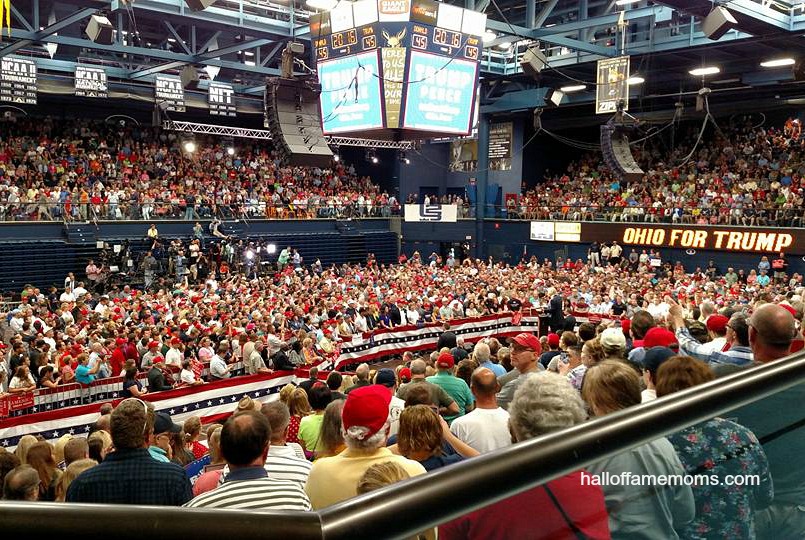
{"type": "Point", "coordinates": [398, 69]}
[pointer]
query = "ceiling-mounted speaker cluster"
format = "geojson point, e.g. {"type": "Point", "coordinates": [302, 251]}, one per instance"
{"type": "Point", "coordinates": [100, 30]}
{"type": "Point", "coordinates": [718, 22]}
{"type": "Point", "coordinates": [199, 5]}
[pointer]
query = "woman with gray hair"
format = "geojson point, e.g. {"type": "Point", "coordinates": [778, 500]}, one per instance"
{"type": "Point", "coordinates": [568, 506]}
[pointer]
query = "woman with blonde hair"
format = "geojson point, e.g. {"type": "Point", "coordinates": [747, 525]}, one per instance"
{"type": "Point", "coordinates": [73, 470]}
{"type": "Point", "coordinates": [332, 440]}
{"type": "Point", "coordinates": [58, 449]}
{"type": "Point", "coordinates": [381, 475]}
{"type": "Point", "coordinates": [192, 431]}
{"type": "Point", "coordinates": [40, 457]}
{"type": "Point", "coordinates": [299, 407]}
{"type": "Point", "coordinates": [612, 386]}
{"type": "Point", "coordinates": [26, 442]}
{"type": "Point", "coordinates": [100, 443]}
{"type": "Point", "coordinates": [286, 392]}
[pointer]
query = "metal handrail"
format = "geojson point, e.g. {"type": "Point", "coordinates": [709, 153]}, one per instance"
{"type": "Point", "coordinates": [403, 509]}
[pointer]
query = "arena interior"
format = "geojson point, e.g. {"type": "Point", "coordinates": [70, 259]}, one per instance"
{"type": "Point", "coordinates": [491, 269]}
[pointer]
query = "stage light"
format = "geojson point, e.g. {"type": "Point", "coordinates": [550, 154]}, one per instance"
{"type": "Point", "coordinates": [189, 146]}
{"type": "Point", "coordinates": [634, 81]}
{"type": "Point", "coordinates": [625, 2]}
{"type": "Point", "coordinates": [336, 158]}
{"type": "Point", "coordinates": [701, 72]}
{"type": "Point", "coordinates": [271, 249]}
{"type": "Point", "coordinates": [780, 62]}
{"type": "Point", "coordinates": [573, 88]}
{"type": "Point", "coordinates": [375, 160]}
{"type": "Point", "coordinates": [230, 151]}
{"type": "Point", "coordinates": [250, 254]}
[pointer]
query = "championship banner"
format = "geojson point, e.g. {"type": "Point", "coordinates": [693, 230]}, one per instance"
{"type": "Point", "coordinates": [91, 82]}
{"type": "Point", "coordinates": [442, 213]}
{"type": "Point", "coordinates": [402, 339]}
{"type": "Point", "coordinates": [612, 86]}
{"type": "Point", "coordinates": [211, 402]}
{"type": "Point", "coordinates": [169, 90]}
{"type": "Point", "coordinates": [221, 99]}
{"type": "Point", "coordinates": [18, 80]}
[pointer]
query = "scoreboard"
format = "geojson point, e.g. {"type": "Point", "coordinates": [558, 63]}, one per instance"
{"type": "Point", "coordinates": [418, 57]}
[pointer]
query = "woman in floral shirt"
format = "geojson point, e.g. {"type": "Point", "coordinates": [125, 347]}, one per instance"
{"type": "Point", "coordinates": [713, 451]}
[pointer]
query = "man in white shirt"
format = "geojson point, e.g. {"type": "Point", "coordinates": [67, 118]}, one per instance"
{"type": "Point", "coordinates": [285, 461]}
{"type": "Point", "coordinates": [387, 378]}
{"type": "Point", "coordinates": [174, 356]}
{"type": "Point", "coordinates": [485, 428]}
{"type": "Point", "coordinates": [218, 367]}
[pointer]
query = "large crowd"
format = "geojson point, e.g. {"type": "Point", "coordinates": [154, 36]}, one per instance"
{"type": "Point", "coordinates": [744, 175]}
{"type": "Point", "coordinates": [617, 329]}
{"type": "Point", "coordinates": [662, 332]}
{"type": "Point", "coordinates": [79, 170]}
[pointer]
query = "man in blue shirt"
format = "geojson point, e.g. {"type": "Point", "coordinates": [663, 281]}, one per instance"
{"type": "Point", "coordinates": [83, 373]}
{"type": "Point", "coordinates": [129, 475]}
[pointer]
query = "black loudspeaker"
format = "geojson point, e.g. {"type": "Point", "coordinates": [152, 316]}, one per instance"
{"type": "Point", "coordinates": [292, 110]}
{"type": "Point", "coordinates": [617, 155]}
{"type": "Point", "coordinates": [189, 78]}
{"type": "Point", "coordinates": [100, 30]}
{"type": "Point", "coordinates": [533, 61]}
{"type": "Point", "coordinates": [718, 23]}
{"type": "Point", "coordinates": [199, 5]}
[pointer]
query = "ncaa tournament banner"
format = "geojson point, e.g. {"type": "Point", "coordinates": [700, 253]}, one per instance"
{"type": "Point", "coordinates": [91, 82]}
{"type": "Point", "coordinates": [442, 213]}
{"type": "Point", "coordinates": [221, 99]}
{"type": "Point", "coordinates": [18, 80]}
{"type": "Point", "coordinates": [612, 86]}
{"type": "Point", "coordinates": [169, 90]}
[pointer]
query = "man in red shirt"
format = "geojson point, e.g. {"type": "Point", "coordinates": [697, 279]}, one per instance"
{"type": "Point", "coordinates": [118, 358]}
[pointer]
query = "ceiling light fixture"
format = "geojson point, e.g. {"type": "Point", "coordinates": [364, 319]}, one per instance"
{"type": "Point", "coordinates": [779, 62]}
{"type": "Point", "coordinates": [488, 37]}
{"type": "Point", "coordinates": [573, 88]}
{"type": "Point", "coordinates": [635, 80]}
{"type": "Point", "coordinates": [701, 72]}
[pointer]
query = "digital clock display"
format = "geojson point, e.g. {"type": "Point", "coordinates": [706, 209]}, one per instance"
{"type": "Point", "coordinates": [347, 38]}
{"type": "Point", "coordinates": [446, 38]}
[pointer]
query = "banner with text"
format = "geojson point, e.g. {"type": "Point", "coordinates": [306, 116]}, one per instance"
{"type": "Point", "coordinates": [733, 239]}
{"type": "Point", "coordinates": [442, 213]}
{"type": "Point", "coordinates": [221, 99]}
{"type": "Point", "coordinates": [612, 85]}
{"type": "Point", "coordinates": [18, 80]}
{"type": "Point", "coordinates": [91, 82]}
{"type": "Point", "coordinates": [170, 93]}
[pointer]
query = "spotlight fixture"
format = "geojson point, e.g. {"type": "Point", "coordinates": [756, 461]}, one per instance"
{"type": "Point", "coordinates": [704, 71]}
{"type": "Point", "coordinates": [336, 158]}
{"type": "Point", "coordinates": [573, 88]}
{"type": "Point", "coordinates": [271, 249]}
{"type": "Point", "coordinates": [374, 160]}
{"type": "Point", "coordinates": [230, 151]}
{"type": "Point", "coordinates": [404, 158]}
{"type": "Point", "coordinates": [779, 62]}
{"type": "Point", "coordinates": [371, 155]}
{"type": "Point", "coordinates": [189, 146]}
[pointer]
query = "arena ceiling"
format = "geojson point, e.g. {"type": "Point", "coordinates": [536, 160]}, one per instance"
{"type": "Point", "coordinates": [242, 41]}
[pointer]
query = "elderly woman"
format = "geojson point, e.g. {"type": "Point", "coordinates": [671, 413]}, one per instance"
{"type": "Point", "coordinates": [569, 507]}
{"type": "Point", "coordinates": [717, 448]}
{"type": "Point", "coordinates": [636, 511]}
{"type": "Point", "coordinates": [422, 436]}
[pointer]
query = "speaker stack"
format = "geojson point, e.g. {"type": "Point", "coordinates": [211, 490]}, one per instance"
{"type": "Point", "coordinates": [718, 22]}
{"type": "Point", "coordinates": [533, 61]}
{"type": "Point", "coordinates": [617, 154]}
{"type": "Point", "coordinates": [292, 110]}
{"type": "Point", "coordinates": [189, 78]}
{"type": "Point", "coordinates": [100, 30]}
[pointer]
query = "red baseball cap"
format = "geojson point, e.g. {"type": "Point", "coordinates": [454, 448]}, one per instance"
{"type": "Point", "coordinates": [405, 374]}
{"type": "Point", "coordinates": [445, 360]}
{"type": "Point", "coordinates": [660, 337]}
{"type": "Point", "coordinates": [367, 407]}
{"type": "Point", "coordinates": [121, 341]}
{"type": "Point", "coordinates": [553, 339]}
{"type": "Point", "coordinates": [717, 323]}
{"type": "Point", "coordinates": [152, 344]}
{"type": "Point", "coordinates": [529, 341]}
